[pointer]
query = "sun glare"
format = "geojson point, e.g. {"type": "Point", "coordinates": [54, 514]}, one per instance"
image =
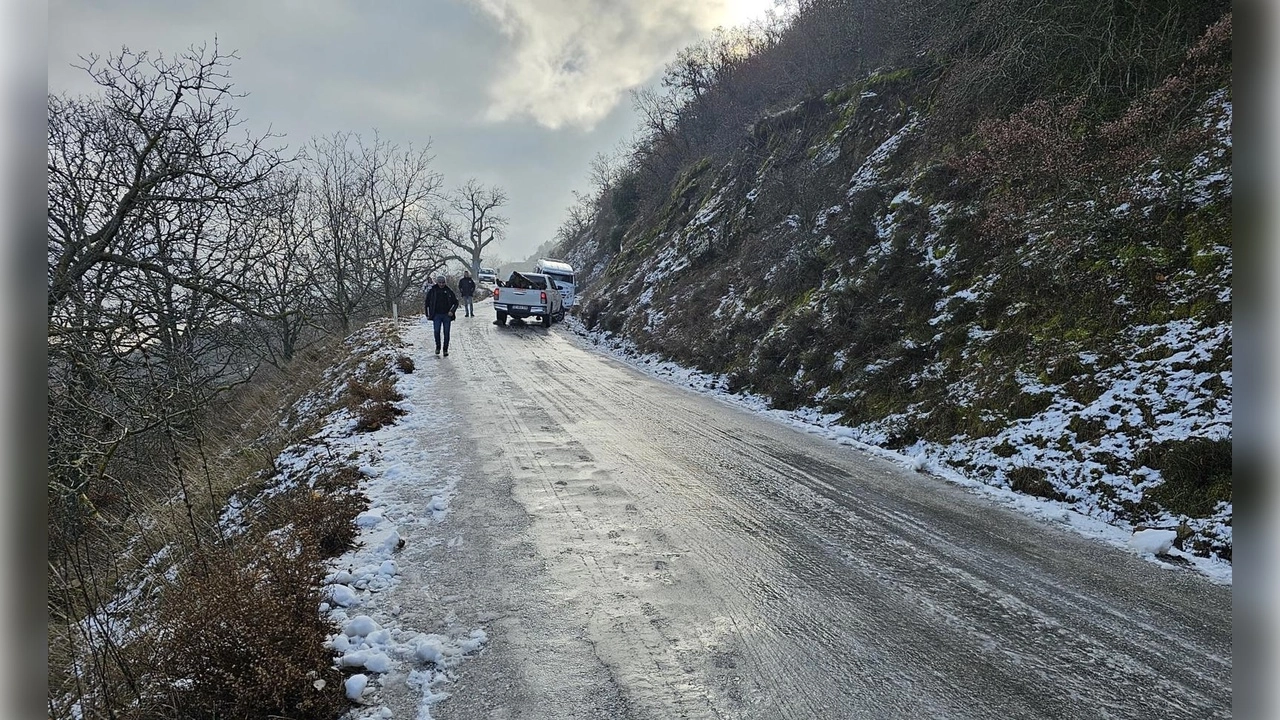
{"type": "Point", "coordinates": [741, 12]}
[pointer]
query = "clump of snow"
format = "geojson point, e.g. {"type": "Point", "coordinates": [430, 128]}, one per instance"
{"type": "Point", "coordinates": [920, 463]}
{"type": "Point", "coordinates": [1153, 542]}
{"type": "Point", "coordinates": [360, 625]}
{"type": "Point", "coordinates": [369, 518]}
{"type": "Point", "coordinates": [355, 686]}
{"type": "Point", "coordinates": [342, 595]}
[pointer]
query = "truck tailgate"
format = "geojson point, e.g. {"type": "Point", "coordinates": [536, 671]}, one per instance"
{"type": "Point", "coordinates": [519, 297]}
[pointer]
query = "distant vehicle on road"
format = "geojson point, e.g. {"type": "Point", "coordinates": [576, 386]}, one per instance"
{"type": "Point", "coordinates": [487, 276]}
{"type": "Point", "coordinates": [562, 273]}
{"type": "Point", "coordinates": [528, 295]}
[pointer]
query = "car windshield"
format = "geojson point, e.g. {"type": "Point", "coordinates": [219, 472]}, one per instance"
{"type": "Point", "coordinates": [561, 278]}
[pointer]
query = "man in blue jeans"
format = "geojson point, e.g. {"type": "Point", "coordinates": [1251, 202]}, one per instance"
{"type": "Point", "coordinates": [440, 305]}
{"type": "Point", "coordinates": [467, 289]}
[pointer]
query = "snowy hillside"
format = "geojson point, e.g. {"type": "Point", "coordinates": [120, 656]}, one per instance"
{"type": "Point", "coordinates": [1045, 308]}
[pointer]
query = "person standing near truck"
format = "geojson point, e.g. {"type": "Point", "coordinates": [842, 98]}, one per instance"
{"type": "Point", "coordinates": [440, 305]}
{"type": "Point", "coordinates": [467, 289]}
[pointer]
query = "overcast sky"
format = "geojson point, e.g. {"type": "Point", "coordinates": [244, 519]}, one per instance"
{"type": "Point", "coordinates": [515, 93]}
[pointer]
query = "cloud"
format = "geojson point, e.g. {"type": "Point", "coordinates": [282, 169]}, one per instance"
{"type": "Point", "coordinates": [572, 61]}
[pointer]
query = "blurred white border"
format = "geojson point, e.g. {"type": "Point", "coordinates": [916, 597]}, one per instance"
{"type": "Point", "coordinates": [23, 73]}
{"type": "Point", "coordinates": [1267, 77]}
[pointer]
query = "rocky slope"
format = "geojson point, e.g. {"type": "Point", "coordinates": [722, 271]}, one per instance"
{"type": "Point", "coordinates": [1044, 306]}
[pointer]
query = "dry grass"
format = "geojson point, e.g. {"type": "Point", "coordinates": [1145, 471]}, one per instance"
{"type": "Point", "coordinates": [405, 364]}
{"type": "Point", "coordinates": [325, 515]}
{"type": "Point", "coordinates": [242, 637]}
{"type": "Point", "coordinates": [373, 403]}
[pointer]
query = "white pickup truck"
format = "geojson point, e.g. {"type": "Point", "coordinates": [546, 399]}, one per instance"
{"type": "Point", "coordinates": [528, 295]}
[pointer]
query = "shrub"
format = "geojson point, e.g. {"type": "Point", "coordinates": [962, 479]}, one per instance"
{"type": "Point", "coordinates": [1004, 450]}
{"type": "Point", "coordinates": [372, 404]}
{"type": "Point", "coordinates": [381, 391]}
{"type": "Point", "coordinates": [345, 477]}
{"type": "Point", "coordinates": [1027, 405]}
{"type": "Point", "coordinates": [1197, 474]}
{"type": "Point", "coordinates": [325, 521]}
{"type": "Point", "coordinates": [375, 416]}
{"type": "Point", "coordinates": [243, 639]}
{"type": "Point", "coordinates": [1110, 461]}
{"type": "Point", "coordinates": [1033, 481]}
{"type": "Point", "coordinates": [590, 315]}
{"type": "Point", "coordinates": [901, 438]}
{"type": "Point", "coordinates": [1084, 390]}
{"type": "Point", "coordinates": [405, 364]}
{"type": "Point", "coordinates": [1087, 429]}
{"type": "Point", "coordinates": [1065, 369]}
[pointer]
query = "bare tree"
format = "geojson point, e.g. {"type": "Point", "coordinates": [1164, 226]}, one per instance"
{"type": "Point", "coordinates": [144, 181]}
{"type": "Point", "coordinates": [287, 287]}
{"type": "Point", "coordinates": [378, 232]}
{"type": "Point", "coordinates": [579, 220]}
{"type": "Point", "coordinates": [476, 224]}
{"type": "Point", "coordinates": [342, 267]}
{"type": "Point", "coordinates": [659, 120]}
{"type": "Point", "coordinates": [148, 291]}
{"type": "Point", "coordinates": [397, 198]}
{"type": "Point", "coordinates": [161, 136]}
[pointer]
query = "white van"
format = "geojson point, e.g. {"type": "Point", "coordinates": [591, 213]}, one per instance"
{"type": "Point", "coordinates": [562, 273]}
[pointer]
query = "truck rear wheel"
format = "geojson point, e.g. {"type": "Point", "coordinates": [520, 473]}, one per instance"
{"type": "Point", "coordinates": [502, 317]}
{"type": "Point", "coordinates": [546, 320]}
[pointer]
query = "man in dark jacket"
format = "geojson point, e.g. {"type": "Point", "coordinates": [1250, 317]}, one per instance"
{"type": "Point", "coordinates": [440, 305]}
{"type": "Point", "coordinates": [467, 289]}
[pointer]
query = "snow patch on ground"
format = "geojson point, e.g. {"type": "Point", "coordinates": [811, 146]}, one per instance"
{"type": "Point", "coordinates": [369, 638]}
{"type": "Point", "coordinates": [868, 175]}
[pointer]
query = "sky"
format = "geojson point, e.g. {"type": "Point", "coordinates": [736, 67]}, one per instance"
{"type": "Point", "coordinates": [521, 94]}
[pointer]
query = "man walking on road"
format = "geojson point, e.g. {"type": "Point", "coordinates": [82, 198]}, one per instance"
{"type": "Point", "coordinates": [467, 289]}
{"type": "Point", "coordinates": [440, 305]}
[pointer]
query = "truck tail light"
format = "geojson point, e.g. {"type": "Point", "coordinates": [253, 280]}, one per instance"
{"type": "Point", "coordinates": [495, 293]}
{"type": "Point", "coordinates": [544, 297]}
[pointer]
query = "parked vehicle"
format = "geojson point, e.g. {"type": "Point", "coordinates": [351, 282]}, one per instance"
{"type": "Point", "coordinates": [487, 276]}
{"type": "Point", "coordinates": [528, 295]}
{"type": "Point", "coordinates": [562, 273]}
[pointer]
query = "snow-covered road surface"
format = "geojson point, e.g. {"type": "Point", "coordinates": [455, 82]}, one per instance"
{"type": "Point", "coordinates": [633, 549]}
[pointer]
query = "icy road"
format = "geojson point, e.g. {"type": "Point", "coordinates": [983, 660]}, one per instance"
{"type": "Point", "coordinates": [636, 550]}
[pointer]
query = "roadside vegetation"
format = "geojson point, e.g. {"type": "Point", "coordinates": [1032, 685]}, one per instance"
{"type": "Point", "coordinates": [204, 603]}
